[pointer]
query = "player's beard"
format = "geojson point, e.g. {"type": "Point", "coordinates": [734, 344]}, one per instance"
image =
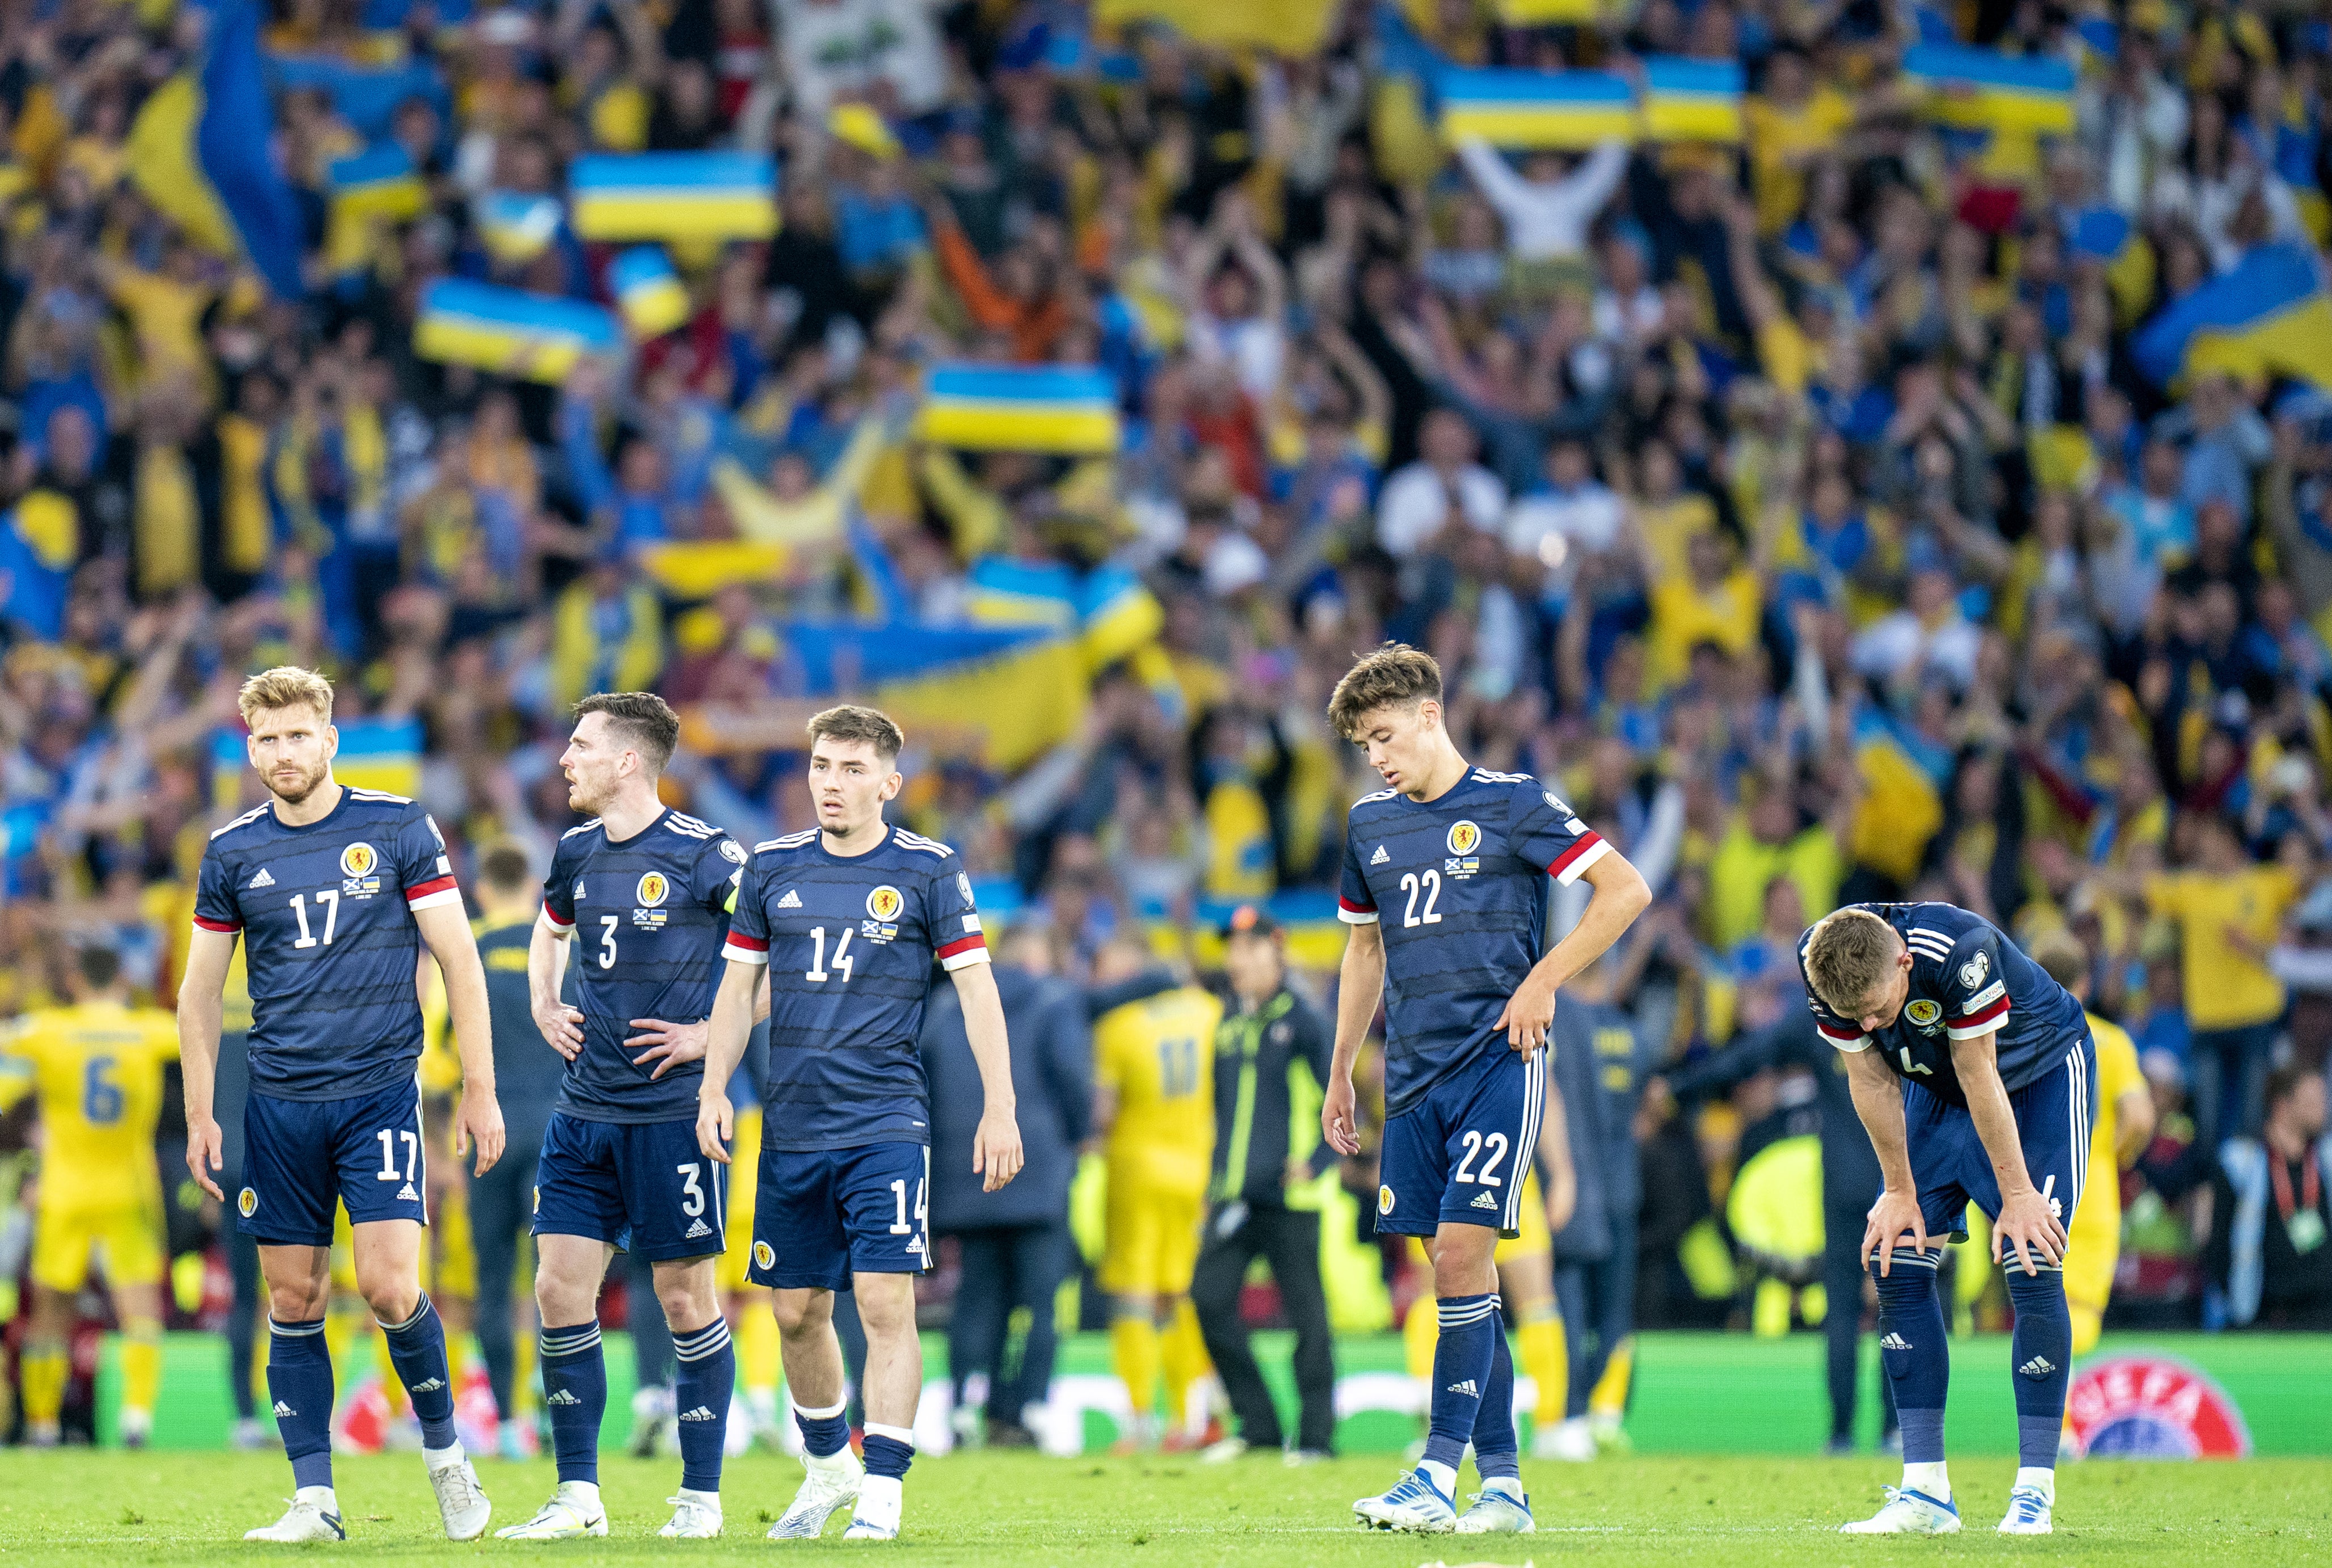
{"type": "Point", "coordinates": [308, 785]}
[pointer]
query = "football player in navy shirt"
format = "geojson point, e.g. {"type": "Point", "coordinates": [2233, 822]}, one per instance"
{"type": "Point", "coordinates": [333, 890]}
{"type": "Point", "coordinates": [645, 893]}
{"type": "Point", "coordinates": [847, 920]}
{"type": "Point", "coordinates": [1444, 891]}
{"type": "Point", "coordinates": [1975, 1074]}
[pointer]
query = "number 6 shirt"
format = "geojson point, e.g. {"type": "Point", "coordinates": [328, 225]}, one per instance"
{"type": "Point", "coordinates": [850, 942]}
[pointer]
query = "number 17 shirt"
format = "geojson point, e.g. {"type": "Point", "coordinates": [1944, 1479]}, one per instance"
{"type": "Point", "coordinates": [849, 942]}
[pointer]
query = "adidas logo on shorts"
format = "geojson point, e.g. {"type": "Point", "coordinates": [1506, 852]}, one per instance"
{"type": "Point", "coordinates": [1484, 1200]}
{"type": "Point", "coordinates": [263, 879]}
{"type": "Point", "coordinates": [699, 1414]}
{"type": "Point", "coordinates": [1894, 1341]}
{"type": "Point", "coordinates": [792, 900]}
{"type": "Point", "coordinates": [1379, 857]}
{"type": "Point", "coordinates": [283, 1409]}
{"type": "Point", "coordinates": [561, 1397]}
{"type": "Point", "coordinates": [405, 1194]}
{"type": "Point", "coordinates": [696, 1228]}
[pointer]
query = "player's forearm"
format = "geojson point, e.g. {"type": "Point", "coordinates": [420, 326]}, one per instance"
{"type": "Point", "coordinates": [1359, 986]}
{"type": "Point", "coordinates": [200, 1015]}
{"type": "Point", "coordinates": [472, 1020]}
{"type": "Point", "coordinates": [1621, 896]}
{"type": "Point", "coordinates": [730, 1027]}
{"type": "Point", "coordinates": [1978, 1069]}
{"type": "Point", "coordinates": [992, 1043]}
{"type": "Point", "coordinates": [546, 966]}
{"type": "Point", "coordinates": [1879, 1103]}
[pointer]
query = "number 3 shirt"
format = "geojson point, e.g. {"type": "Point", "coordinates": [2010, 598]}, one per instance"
{"type": "Point", "coordinates": [850, 942]}
{"type": "Point", "coordinates": [329, 942]}
{"type": "Point", "coordinates": [1458, 886]}
{"type": "Point", "coordinates": [649, 913]}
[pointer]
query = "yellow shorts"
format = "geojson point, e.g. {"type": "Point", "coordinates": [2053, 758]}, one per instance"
{"type": "Point", "coordinates": [1154, 1240]}
{"type": "Point", "coordinates": [2092, 1248]}
{"type": "Point", "coordinates": [744, 1168]}
{"type": "Point", "coordinates": [125, 1238]}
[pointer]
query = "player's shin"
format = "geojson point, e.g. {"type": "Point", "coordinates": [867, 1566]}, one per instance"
{"type": "Point", "coordinates": [706, 1375]}
{"type": "Point", "coordinates": [417, 1349]}
{"type": "Point", "coordinates": [1912, 1350]}
{"type": "Point", "coordinates": [2043, 1355]}
{"type": "Point", "coordinates": [1462, 1360]}
{"type": "Point", "coordinates": [575, 1392]}
{"type": "Point", "coordinates": [300, 1381]}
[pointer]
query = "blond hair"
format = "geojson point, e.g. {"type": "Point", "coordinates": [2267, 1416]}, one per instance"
{"type": "Point", "coordinates": [1395, 675]}
{"type": "Point", "coordinates": [285, 686]}
{"type": "Point", "coordinates": [1849, 956]}
{"type": "Point", "coordinates": [851, 723]}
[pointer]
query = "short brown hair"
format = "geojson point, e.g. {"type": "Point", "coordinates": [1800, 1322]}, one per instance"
{"type": "Point", "coordinates": [503, 866]}
{"type": "Point", "coordinates": [1849, 956]}
{"type": "Point", "coordinates": [285, 686]}
{"type": "Point", "coordinates": [642, 718]}
{"type": "Point", "coordinates": [851, 723]}
{"type": "Point", "coordinates": [1393, 675]}
{"type": "Point", "coordinates": [2061, 954]}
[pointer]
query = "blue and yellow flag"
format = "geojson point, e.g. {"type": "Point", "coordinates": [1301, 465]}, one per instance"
{"type": "Point", "coordinates": [199, 151]}
{"type": "Point", "coordinates": [509, 331]}
{"type": "Point", "coordinates": [675, 196]}
{"type": "Point", "coordinates": [374, 754]}
{"type": "Point", "coordinates": [1548, 12]}
{"type": "Point", "coordinates": [1067, 410]}
{"type": "Point", "coordinates": [1692, 100]}
{"type": "Point", "coordinates": [1290, 28]}
{"type": "Point", "coordinates": [647, 292]}
{"type": "Point", "coordinates": [1975, 89]}
{"type": "Point", "coordinates": [40, 540]}
{"type": "Point", "coordinates": [515, 228]}
{"type": "Point", "coordinates": [2270, 316]}
{"type": "Point", "coordinates": [1536, 109]}
{"type": "Point", "coordinates": [380, 180]}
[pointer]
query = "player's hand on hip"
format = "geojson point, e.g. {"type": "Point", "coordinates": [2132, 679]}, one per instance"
{"type": "Point", "coordinates": [1336, 1118]}
{"type": "Point", "coordinates": [562, 1029]}
{"type": "Point", "coordinates": [669, 1045]}
{"type": "Point", "coordinates": [2026, 1229]}
{"type": "Point", "coordinates": [478, 1121]}
{"type": "Point", "coordinates": [1528, 1015]}
{"type": "Point", "coordinates": [995, 1153]}
{"type": "Point", "coordinates": [716, 1121]}
{"type": "Point", "coordinates": [204, 1154]}
{"type": "Point", "coordinates": [1895, 1214]}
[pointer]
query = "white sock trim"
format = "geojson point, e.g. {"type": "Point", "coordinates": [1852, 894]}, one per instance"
{"type": "Point", "coordinates": [897, 1434]}
{"type": "Point", "coordinates": [826, 1414]}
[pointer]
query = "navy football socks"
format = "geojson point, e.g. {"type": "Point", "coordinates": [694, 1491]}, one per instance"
{"type": "Point", "coordinates": [300, 1381]}
{"type": "Point", "coordinates": [706, 1377]}
{"type": "Point", "coordinates": [1911, 1348]}
{"type": "Point", "coordinates": [417, 1348]}
{"type": "Point", "coordinates": [1462, 1360]}
{"type": "Point", "coordinates": [1497, 1449]}
{"type": "Point", "coordinates": [2042, 1349]}
{"type": "Point", "coordinates": [575, 1392]}
{"type": "Point", "coordinates": [825, 1432]}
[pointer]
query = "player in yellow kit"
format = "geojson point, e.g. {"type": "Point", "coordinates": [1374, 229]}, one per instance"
{"type": "Point", "coordinates": [2123, 1128]}
{"type": "Point", "coordinates": [1154, 1070]}
{"type": "Point", "coordinates": [96, 1069]}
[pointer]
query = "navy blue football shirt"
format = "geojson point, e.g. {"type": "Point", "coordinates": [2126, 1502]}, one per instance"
{"type": "Point", "coordinates": [329, 941]}
{"type": "Point", "coordinates": [849, 942]}
{"type": "Point", "coordinates": [649, 914]}
{"type": "Point", "coordinates": [1967, 980]}
{"type": "Point", "coordinates": [1458, 886]}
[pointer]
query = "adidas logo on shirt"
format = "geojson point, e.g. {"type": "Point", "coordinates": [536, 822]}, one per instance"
{"type": "Point", "coordinates": [696, 1228]}
{"type": "Point", "coordinates": [263, 879]}
{"type": "Point", "coordinates": [561, 1397]}
{"type": "Point", "coordinates": [1484, 1200]}
{"type": "Point", "coordinates": [1465, 1388]}
{"type": "Point", "coordinates": [792, 900]}
{"type": "Point", "coordinates": [405, 1194]}
{"type": "Point", "coordinates": [430, 1387]}
{"type": "Point", "coordinates": [1379, 857]}
{"type": "Point", "coordinates": [1894, 1341]}
{"type": "Point", "coordinates": [283, 1409]}
{"type": "Point", "coordinates": [699, 1414]}
{"type": "Point", "coordinates": [2039, 1366]}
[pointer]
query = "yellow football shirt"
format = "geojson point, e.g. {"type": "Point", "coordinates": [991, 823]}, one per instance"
{"type": "Point", "coordinates": [2117, 1075]}
{"type": "Point", "coordinates": [97, 1068]}
{"type": "Point", "coordinates": [2226, 989]}
{"type": "Point", "coordinates": [1157, 1056]}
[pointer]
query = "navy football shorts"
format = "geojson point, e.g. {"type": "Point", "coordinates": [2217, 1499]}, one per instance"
{"type": "Point", "coordinates": [1460, 1152]}
{"type": "Point", "coordinates": [300, 1155]}
{"type": "Point", "coordinates": [641, 1187]}
{"type": "Point", "coordinates": [2054, 1114]}
{"type": "Point", "coordinates": [821, 1215]}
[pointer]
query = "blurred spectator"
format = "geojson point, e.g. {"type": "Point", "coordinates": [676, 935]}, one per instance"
{"type": "Point", "coordinates": [2271, 1214]}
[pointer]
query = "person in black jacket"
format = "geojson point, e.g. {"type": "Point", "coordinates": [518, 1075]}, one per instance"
{"type": "Point", "coordinates": [1014, 1243]}
{"type": "Point", "coordinates": [1271, 1063]}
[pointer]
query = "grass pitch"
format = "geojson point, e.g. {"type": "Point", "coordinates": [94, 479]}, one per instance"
{"type": "Point", "coordinates": [1021, 1511]}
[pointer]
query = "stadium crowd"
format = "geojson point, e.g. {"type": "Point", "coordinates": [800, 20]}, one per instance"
{"type": "Point", "coordinates": [1801, 506]}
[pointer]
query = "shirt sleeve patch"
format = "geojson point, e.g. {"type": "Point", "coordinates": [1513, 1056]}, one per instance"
{"type": "Point", "coordinates": [742, 948]}
{"type": "Point", "coordinates": [1979, 1021]}
{"type": "Point", "coordinates": [969, 948]}
{"type": "Point", "coordinates": [1568, 865]}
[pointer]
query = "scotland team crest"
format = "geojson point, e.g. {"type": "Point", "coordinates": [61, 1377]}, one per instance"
{"type": "Point", "coordinates": [247, 1201]}
{"type": "Point", "coordinates": [1923, 1015]}
{"type": "Point", "coordinates": [885, 902]}
{"type": "Point", "coordinates": [1464, 836]}
{"type": "Point", "coordinates": [652, 890]}
{"type": "Point", "coordinates": [357, 860]}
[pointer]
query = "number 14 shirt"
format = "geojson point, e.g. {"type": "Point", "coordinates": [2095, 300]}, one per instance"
{"type": "Point", "coordinates": [850, 942]}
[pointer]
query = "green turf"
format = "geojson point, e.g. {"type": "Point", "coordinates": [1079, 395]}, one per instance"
{"type": "Point", "coordinates": [1021, 1511]}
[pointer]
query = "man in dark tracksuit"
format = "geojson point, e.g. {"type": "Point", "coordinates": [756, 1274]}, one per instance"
{"type": "Point", "coordinates": [527, 1073]}
{"type": "Point", "coordinates": [1015, 1244]}
{"type": "Point", "coordinates": [1271, 1064]}
{"type": "Point", "coordinates": [1850, 1182]}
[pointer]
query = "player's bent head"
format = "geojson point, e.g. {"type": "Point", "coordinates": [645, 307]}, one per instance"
{"type": "Point", "coordinates": [1391, 684]}
{"type": "Point", "coordinates": [640, 723]}
{"type": "Point", "coordinates": [2065, 960]}
{"type": "Point", "coordinates": [1851, 961]}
